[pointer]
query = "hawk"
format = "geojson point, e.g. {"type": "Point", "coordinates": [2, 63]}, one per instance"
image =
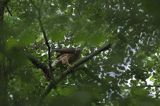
{"type": "Point", "coordinates": [66, 56]}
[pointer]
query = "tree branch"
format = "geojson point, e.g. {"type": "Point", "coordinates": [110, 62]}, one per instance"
{"type": "Point", "coordinates": [40, 65]}
{"type": "Point", "coordinates": [53, 84]}
{"type": "Point", "coordinates": [44, 35]}
{"type": "Point", "coordinates": [9, 11]}
{"type": "Point", "coordinates": [47, 43]}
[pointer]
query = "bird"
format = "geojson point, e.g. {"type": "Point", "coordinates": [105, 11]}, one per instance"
{"type": "Point", "coordinates": [66, 56]}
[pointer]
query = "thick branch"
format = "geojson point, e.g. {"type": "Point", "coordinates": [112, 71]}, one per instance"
{"type": "Point", "coordinates": [53, 84]}
{"type": "Point", "coordinates": [40, 65]}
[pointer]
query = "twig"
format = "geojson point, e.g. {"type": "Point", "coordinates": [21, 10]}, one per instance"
{"type": "Point", "coordinates": [53, 84]}
{"type": "Point", "coordinates": [10, 13]}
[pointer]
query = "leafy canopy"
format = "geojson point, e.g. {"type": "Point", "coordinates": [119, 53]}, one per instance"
{"type": "Point", "coordinates": [128, 74]}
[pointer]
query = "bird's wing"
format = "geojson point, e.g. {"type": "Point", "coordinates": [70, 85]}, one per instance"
{"type": "Point", "coordinates": [65, 50]}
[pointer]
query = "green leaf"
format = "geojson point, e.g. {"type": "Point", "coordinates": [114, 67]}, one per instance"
{"type": "Point", "coordinates": [27, 36]}
{"type": "Point", "coordinates": [11, 42]}
{"type": "Point", "coordinates": [96, 39]}
{"type": "Point", "coordinates": [66, 91]}
{"type": "Point", "coordinates": [139, 92]}
{"type": "Point", "coordinates": [56, 35]}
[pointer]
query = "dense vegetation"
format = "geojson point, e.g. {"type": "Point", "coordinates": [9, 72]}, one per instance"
{"type": "Point", "coordinates": [120, 58]}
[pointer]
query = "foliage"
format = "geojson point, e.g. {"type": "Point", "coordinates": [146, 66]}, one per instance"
{"type": "Point", "coordinates": [127, 74]}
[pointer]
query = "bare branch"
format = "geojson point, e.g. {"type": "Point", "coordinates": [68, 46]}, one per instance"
{"type": "Point", "coordinates": [44, 35]}
{"type": "Point", "coordinates": [46, 42]}
{"type": "Point", "coordinates": [9, 11]}
{"type": "Point", "coordinates": [38, 64]}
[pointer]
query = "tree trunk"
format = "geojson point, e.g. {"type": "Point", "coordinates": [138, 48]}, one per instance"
{"type": "Point", "coordinates": [3, 85]}
{"type": "Point", "coordinates": [4, 62]}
